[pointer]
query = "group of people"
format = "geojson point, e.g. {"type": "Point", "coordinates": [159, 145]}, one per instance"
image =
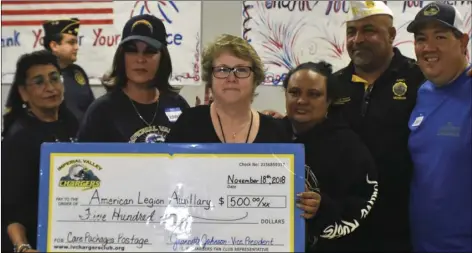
{"type": "Point", "coordinates": [387, 139]}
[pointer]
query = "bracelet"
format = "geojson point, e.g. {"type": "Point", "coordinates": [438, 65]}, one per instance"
{"type": "Point", "coordinates": [22, 247]}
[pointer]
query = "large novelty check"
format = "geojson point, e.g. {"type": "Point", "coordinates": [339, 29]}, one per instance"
{"type": "Point", "coordinates": [141, 197]}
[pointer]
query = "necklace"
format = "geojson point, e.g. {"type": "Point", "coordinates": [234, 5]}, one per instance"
{"type": "Point", "coordinates": [234, 134]}
{"type": "Point", "coordinates": [141, 117]}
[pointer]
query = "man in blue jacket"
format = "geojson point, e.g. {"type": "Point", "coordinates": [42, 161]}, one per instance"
{"type": "Point", "coordinates": [440, 139]}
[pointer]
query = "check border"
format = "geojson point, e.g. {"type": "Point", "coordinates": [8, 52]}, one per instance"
{"type": "Point", "coordinates": [294, 152]}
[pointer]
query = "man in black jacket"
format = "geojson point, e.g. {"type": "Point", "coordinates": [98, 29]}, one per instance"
{"type": "Point", "coordinates": [381, 86]}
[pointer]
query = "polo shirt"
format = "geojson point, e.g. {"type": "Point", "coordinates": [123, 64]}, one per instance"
{"type": "Point", "coordinates": [440, 146]}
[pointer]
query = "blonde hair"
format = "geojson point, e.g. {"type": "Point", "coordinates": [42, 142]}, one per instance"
{"type": "Point", "coordinates": [239, 48]}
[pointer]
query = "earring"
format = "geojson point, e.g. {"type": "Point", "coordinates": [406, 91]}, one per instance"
{"type": "Point", "coordinates": [326, 115]}
{"type": "Point", "coordinates": [24, 106]}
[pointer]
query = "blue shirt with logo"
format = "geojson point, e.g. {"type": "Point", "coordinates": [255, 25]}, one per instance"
{"type": "Point", "coordinates": [440, 146]}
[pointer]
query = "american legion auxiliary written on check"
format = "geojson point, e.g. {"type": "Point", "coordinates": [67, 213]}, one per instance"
{"type": "Point", "coordinates": [184, 202]}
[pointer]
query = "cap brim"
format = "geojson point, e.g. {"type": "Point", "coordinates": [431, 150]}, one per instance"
{"type": "Point", "coordinates": [150, 41]}
{"type": "Point", "coordinates": [414, 25]}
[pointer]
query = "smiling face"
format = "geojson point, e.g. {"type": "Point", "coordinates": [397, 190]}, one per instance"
{"type": "Point", "coordinates": [439, 52]}
{"type": "Point", "coordinates": [141, 61]}
{"type": "Point", "coordinates": [232, 79]}
{"type": "Point", "coordinates": [43, 89]}
{"type": "Point", "coordinates": [306, 97]}
{"type": "Point", "coordinates": [370, 40]}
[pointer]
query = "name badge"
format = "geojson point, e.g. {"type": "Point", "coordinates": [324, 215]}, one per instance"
{"type": "Point", "coordinates": [418, 121]}
{"type": "Point", "coordinates": [173, 113]}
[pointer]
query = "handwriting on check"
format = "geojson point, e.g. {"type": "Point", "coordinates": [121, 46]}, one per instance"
{"type": "Point", "coordinates": [207, 240]}
{"type": "Point", "coordinates": [176, 198]}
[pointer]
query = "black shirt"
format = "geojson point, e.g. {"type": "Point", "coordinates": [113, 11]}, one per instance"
{"type": "Point", "coordinates": [20, 169]}
{"type": "Point", "coordinates": [343, 170]}
{"type": "Point", "coordinates": [78, 94]}
{"type": "Point", "coordinates": [114, 117]}
{"type": "Point", "coordinates": [195, 126]}
{"type": "Point", "coordinates": [380, 117]}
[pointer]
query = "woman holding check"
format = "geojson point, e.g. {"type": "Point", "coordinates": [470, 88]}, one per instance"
{"type": "Point", "coordinates": [339, 198]}
{"type": "Point", "coordinates": [232, 70]}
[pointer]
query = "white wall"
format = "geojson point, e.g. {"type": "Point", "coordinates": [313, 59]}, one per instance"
{"type": "Point", "coordinates": [215, 14]}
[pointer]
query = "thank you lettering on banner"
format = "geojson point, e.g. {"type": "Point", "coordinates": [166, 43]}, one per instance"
{"type": "Point", "coordinates": [100, 32]}
{"type": "Point", "coordinates": [339, 6]}
{"type": "Point", "coordinates": [104, 38]}
{"type": "Point", "coordinates": [412, 4]}
{"type": "Point", "coordinates": [11, 39]}
{"type": "Point", "coordinates": [38, 41]}
{"type": "Point", "coordinates": [302, 5]}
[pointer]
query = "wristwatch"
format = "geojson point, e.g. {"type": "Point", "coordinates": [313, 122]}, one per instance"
{"type": "Point", "coordinates": [21, 247]}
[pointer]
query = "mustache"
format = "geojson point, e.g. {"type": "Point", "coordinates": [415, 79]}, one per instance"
{"type": "Point", "coordinates": [365, 48]}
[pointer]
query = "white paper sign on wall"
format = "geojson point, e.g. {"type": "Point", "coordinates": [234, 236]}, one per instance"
{"type": "Point", "coordinates": [100, 32]}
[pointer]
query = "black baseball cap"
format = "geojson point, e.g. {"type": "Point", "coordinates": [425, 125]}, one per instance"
{"type": "Point", "coordinates": [445, 14]}
{"type": "Point", "coordinates": [146, 28]}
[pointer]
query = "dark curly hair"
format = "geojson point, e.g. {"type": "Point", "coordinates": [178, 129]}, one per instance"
{"type": "Point", "coordinates": [14, 104]}
{"type": "Point", "coordinates": [323, 68]}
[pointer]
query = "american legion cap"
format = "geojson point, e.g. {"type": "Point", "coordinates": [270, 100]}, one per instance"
{"type": "Point", "coordinates": [363, 9]}
{"type": "Point", "coordinates": [146, 28]}
{"type": "Point", "coordinates": [60, 26]}
{"type": "Point", "coordinates": [445, 14]}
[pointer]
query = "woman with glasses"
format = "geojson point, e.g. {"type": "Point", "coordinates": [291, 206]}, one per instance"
{"type": "Point", "coordinates": [140, 105]}
{"type": "Point", "coordinates": [233, 70]}
{"type": "Point", "coordinates": [36, 114]}
{"type": "Point", "coordinates": [339, 199]}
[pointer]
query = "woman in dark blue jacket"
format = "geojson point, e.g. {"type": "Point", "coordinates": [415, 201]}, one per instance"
{"type": "Point", "coordinates": [341, 178]}
{"type": "Point", "coordinates": [35, 114]}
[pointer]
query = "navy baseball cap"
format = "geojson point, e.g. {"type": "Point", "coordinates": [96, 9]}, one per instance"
{"type": "Point", "coordinates": [445, 14]}
{"type": "Point", "coordinates": [146, 28]}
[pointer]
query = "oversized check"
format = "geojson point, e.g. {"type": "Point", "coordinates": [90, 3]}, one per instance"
{"type": "Point", "coordinates": [171, 197]}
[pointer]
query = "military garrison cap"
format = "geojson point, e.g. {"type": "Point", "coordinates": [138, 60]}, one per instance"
{"type": "Point", "coordinates": [363, 9]}
{"type": "Point", "coordinates": [61, 26]}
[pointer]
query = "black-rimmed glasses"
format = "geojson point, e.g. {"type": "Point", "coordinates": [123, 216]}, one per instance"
{"type": "Point", "coordinates": [239, 72]}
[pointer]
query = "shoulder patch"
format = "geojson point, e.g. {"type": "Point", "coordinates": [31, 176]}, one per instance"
{"type": "Point", "coordinates": [79, 77]}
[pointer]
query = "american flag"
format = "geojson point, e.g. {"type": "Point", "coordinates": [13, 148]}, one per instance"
{"type": "Point", "coordinates": [34, 13]}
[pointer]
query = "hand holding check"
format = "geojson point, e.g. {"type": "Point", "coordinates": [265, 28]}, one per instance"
{"type": "Point", "coordinates": [309, 202]}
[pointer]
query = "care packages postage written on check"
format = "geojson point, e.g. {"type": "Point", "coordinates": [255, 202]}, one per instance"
{"type": "Point", "coordinates": [198, 202]}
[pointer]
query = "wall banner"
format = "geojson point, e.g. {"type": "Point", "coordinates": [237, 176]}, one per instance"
{"type": "Point", "coordinates": [287, 33]}
{"type": "Point", "coordinates": [100, 32]}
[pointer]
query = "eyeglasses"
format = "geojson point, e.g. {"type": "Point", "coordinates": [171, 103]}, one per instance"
{"type": "Point", "coordinates": [54, 78]}
{"type": "Point", "coordinates": [239, 72]}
